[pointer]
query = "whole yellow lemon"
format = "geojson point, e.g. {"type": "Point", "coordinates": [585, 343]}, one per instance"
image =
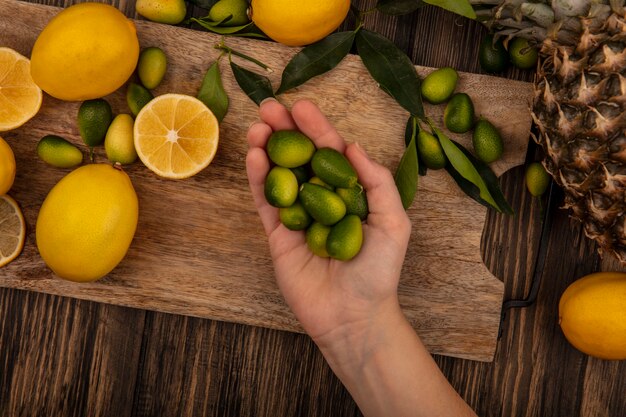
{"type": "Point", "coordinates": [87, 222]}
{"type": "Point", "coordinates": [7, 167]}
{"type": "Point", "coordinates": [592, 315]}
{"type": "Point", "coordinates": [86, 51]}
{"type": "Point", "coordinates": [297, 23]}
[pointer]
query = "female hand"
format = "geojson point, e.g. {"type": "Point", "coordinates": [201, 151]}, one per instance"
{"type": "Point", "coordinates": [332, 298]}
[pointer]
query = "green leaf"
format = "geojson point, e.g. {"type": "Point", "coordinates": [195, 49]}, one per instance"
{"type": "Point", "coordinates": [392, 69]}
{"type": "Point", "coordinates": [316, 59]}
{"type": "Point", "coordinates": [460, 7]}
{"type": "Point", "coordinates": [247, 30]}
{"type": "Point", "coordinates": [212, 92]}
{"type": "Point", "coordinates": [409, 132]}
{"type": "Point", "coordinates": [464, 166]}
{"type": "Point", "coordinates": [406, 176]}
{"type": "Point", "coordinates": [256, 86]}
{"type": "Point", "coordinates": [398, 7]}
{"type": "Point", "coordinates": [491, 180]}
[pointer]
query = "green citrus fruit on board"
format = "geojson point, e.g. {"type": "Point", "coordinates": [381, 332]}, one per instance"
{"type": "Point", "coordinates": [439, 85]}
{"type": "Point", "coordinates": [170, 11]}
{"type": "Point", "coordinates": [487, 141]}
{"type": "Point", "coordinates": [119, 142]}
{"type": "Point", "coordinates": [59, 152]}
{"type": "Point", "coordinates": [86, 51]}
{"type": "Point", "coordinates": [236, 11]}
{"type": "Point", "coordinates": [289, 148]}
{"type": "Point", "coordinates": [537, 179]}
{"type": "Point", "coordinates": [281, 187]}
{"type": "Point", "coordinates": [458, 115]}
{"type": "Point", "coordinates": [492, 56]}
{"type": "Point", "coordinates": [298, 23]}
{"type": "Point", "coordinates": [94, 118]}
{"type": "Point", "coordinates": [87, 222]}
{"type": "Point", "coordinates": [430, 150]}
{"type": "Point", "coordinates": [151, 67]}
{"type": "Point", "coordinates": [333, 168]}
{"type": "Point", "coordinates": [7, 167]}
{"type": "Point", "coordinates": [523, 55]}
{"type": "Point", "coordinates": [345, 238]}
{"type": "Point", "coordinates": [323, 205]}
{"type": "Point", "coordinates": [137, 97]}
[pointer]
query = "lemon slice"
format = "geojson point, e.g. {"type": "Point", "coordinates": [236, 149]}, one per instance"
{"type": "Point", "coordinates": [176, 135]}
{"type": "Point", "coordinates": [20, 97]}
{"type": "Point", "coordinates": [12, 230]}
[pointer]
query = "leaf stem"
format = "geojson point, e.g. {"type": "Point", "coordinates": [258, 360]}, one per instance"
{"type": "Point", "coordinates": [223, 47]}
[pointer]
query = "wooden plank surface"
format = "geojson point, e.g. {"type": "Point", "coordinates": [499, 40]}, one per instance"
{"type": "Point", "coordinates": [220, 382]}
{"type": "Point", "coordinates": [199, 249]}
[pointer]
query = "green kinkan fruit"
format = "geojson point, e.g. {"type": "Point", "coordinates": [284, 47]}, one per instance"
{"type": "Point", "coordinates": [355, 200]}
{"type": "Point", "coordinates": [289, 148]}
{"type": "Point", "coordinates": [345, 238]}
{"type": "Point", "coordinates": [281, 187]}
{"type": "Point", "coordinates": [333, 168]}
{"type": "Point", "coordinates": [58, 152]}
{"type": "Point", "coordinates": [316, 236]}
{"type": "Point", "coordinates": [459, 113]}
{"type": "Point", "coordinates": [295, 217]}
{"type": "Point", "coordinates": [323, 205]}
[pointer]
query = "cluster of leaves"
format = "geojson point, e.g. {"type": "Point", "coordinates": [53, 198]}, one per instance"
{"type": "Point", "coordinates": [394, 72]}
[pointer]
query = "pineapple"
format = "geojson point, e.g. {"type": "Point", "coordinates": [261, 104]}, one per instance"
{"type": "Point", "coordinates": [579, 103]}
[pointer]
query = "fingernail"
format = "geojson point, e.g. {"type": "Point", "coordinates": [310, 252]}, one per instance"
{"type": "Point", "coordinates": [267, 100]}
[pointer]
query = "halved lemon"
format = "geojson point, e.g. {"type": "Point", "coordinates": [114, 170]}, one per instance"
{"type": "Point", "coordinates": [20, 97]}
{"type": "Point", "coordinates": [176, 135]}
{"type": "Point", "coordinates": [12, 230]}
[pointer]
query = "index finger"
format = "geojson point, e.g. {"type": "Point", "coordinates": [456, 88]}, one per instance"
{"type": "Point", "coordinates": [312, 122]}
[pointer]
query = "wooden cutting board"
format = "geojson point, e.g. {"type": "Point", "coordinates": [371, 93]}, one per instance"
{"type": "Point", "coordinates": [200, 249]}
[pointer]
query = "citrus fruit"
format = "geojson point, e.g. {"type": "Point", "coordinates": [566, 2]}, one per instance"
{"type": "Point", "coordinates": [301, 173]}
{"type": "Point", "coordinates": [458, 115]}
{"type": "Point", "coordinates": [162, 11]}
{"type": "Point", "coordinates": [86, 51]}
{"type": "Point", "coordinates": [137, 97]}
{"type": "Point", "coordinates": [281, 187]}
{"type": "Point", "coordinates": [430, 150]}
{"type": "Point", "coordinates": [7, 167]}
{"type": "Point", "coordinates": [492, 56]}
{"type": "Point", "coordinates": [289, 148]}
{"type": "Point", "coordinates": [439, 85]}
{"type": "Point", "coordinates": [298, 23]}
{"type": "Point", "coordinates": [294, 217]}
{"type": "Point", "coordinates": [333, 168]}
{"type": "Point", "coordinates": [487, 141]}
{"type": "Point", "coordinates": [12, 230]}
{"type": "Point", "coordinates": [592, 315]}
{"type": "Point", "coordinates": [119, 143]}
{"type": "Point", "coordinates": [318, 181]}
{"type": "Point", "coordinates": [537, 179]}
{"type": "Point", "coordinates": [176, 135]}
{"type": "Point", "coordinates": [323, 205]}
{"type": "Point", "coordinates": [316, 236]}
{"type": "Point", "coordinates": [345, 238]}
{"type": "Point", "coordinates": [523, 55]}
{"type": "Point", "coordinates": [151, 67]}
{"type": "Point", "coordinates": [94, 118]}
{"type": "Point", "coordinates": [58, 152]}
{"type": "Point", "coordinates": [87, 222]}
{"type": "Point", "coordinates": [355, 200]}
{"type": "Point", "coordinates": [235, 10]}
{"type": "Point", "coordinates": [20, 97]}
